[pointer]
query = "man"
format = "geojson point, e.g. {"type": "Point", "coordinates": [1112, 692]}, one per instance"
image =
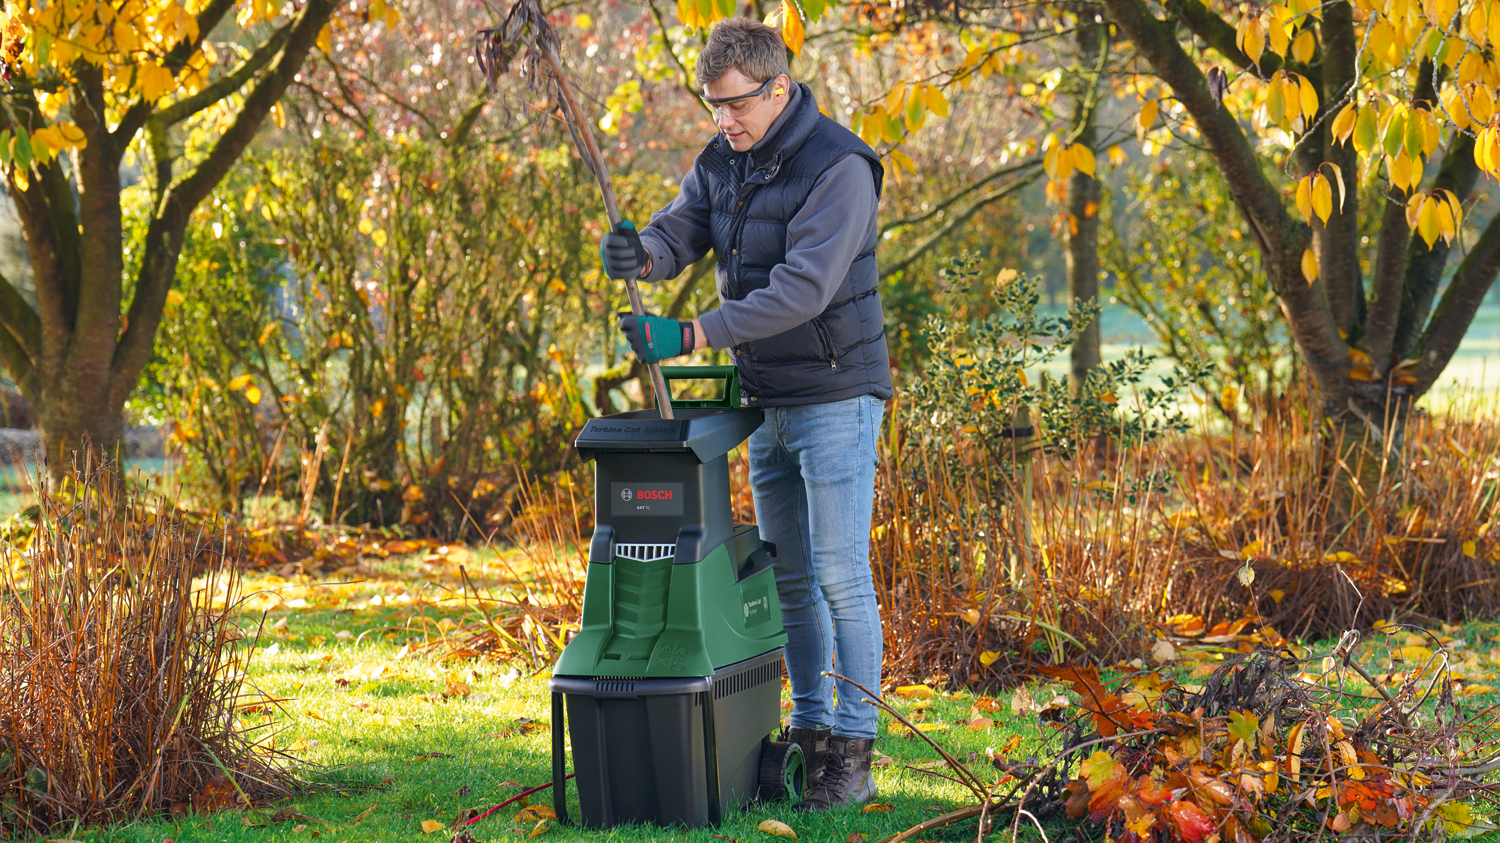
{"type": "Point", "coordinates": [786, 199]}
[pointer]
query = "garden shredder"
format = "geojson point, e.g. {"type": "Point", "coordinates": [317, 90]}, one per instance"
{"type": "Point", "coordinates": [672, 685]}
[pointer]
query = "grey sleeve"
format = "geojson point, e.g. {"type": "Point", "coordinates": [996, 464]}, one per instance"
{"type": "Point", "coordinates": [678, 235]}
{"type": "Point", "coordinates": [823, 239]}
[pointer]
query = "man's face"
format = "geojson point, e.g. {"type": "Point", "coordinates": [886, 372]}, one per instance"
{"type": "Point", "coordinates": [745, 119]}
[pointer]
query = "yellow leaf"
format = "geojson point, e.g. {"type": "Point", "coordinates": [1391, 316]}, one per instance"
{"type": "Point", "coordinates": [252, 394]}
{"type": "Point", "coordinates": [238, 383]}
{"type": "Point", "coordinates": [916, 692]}
{"type": "Point", "coordinates": [1302, 46]}
{"type": "Point", "coordinates": [776, 828]}
{"type": "Point", "coordinates": [1304, 197]}
{"type": "Point", "coordinates": [175, 298]}
{"type": "Point", "coordinates": [1116, 155]}
{"type": "Point", "coordinates": [1146, 118]}
{"type": "Point", "coordinates": [1252, 36]}
{"type": "Point", "coordinates": [1229, 396]}
{"type": "Point", "coordinates": [791, 27]}
{"type": "Point", "coordinates": [903, 160]}
{"type": "Point", "coordinates": [455, 686]}
{"type": "Point", "coordinates": [1469, 548]}
{"type": "Point", "coordinates": [1309, 99]}
{"type": "Point", "coordinates": [877, 808]}
{"type": "Point", "coordinates": [935, 100]}
{"type": "Point", "coordinates": [429, 826]}
{"type": "Point", "coordinates": [988, 657]}
{"type": "Point", "coordinates": [377, 409]}
{"type": "Point", "coordinates": [1475, 690]}
{"type": "Point", "coordinates": [1309, 266]}
{"type": "Point", "coordinates": [1083, 159]}
{"type": "Point", "coordinates": [969, 616]}
{"type": "Point", "coordinates": [1427, 222]}
{"type": "Point", "coordinates": [1343, 124]}
{"type": "Point", "coordinates": [1322, 197]}
{"type": "Point", "coordinates": [533, 813]}
{"type": "Point", "coordinates": [1482, 102]}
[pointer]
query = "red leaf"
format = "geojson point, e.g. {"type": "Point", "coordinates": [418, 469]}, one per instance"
{"type": "Point", "coordinates": [1108, 709]}
{"type": "Point", "coordinates": [1193, 825]}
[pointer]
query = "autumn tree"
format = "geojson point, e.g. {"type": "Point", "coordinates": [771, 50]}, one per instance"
{"type": "Point", "coordinates": [94, 88]}
{"type": "Point", "coordinates": [1401, 92]}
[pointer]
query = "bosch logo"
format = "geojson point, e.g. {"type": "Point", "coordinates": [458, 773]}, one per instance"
{"type": "Point", "coordinates": [627, 495]}
{"type": "Point", "coordinates": [654, 495]}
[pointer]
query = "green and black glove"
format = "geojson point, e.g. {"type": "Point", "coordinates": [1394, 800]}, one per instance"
{"type": "Point", "coordinates": [656, 338]}
{"type": "Point", "coordinates": [622, 252]}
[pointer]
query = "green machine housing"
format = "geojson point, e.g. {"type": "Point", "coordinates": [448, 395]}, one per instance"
{"type": "Point", "coordinates": [672, 684]}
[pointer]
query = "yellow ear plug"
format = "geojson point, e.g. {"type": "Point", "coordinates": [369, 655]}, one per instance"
{"type": "Point", "coordinates": [780, 90]}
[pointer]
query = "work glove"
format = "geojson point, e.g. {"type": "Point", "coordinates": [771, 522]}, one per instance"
{"type": "Point", "coordinates": [622, 252]}
{"type": "Point", "coordinates": [656, 338]}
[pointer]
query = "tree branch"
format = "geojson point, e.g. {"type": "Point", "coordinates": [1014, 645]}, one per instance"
{"type": "Point", "coordinates": [164, 234]}
{"type": "Point", "coordinates": [1424, 266]}
{"type": "Point", "coordinates": [226, 84]}
{"type": "Point", "coordinates": [140, 111]}
{"type": "Point", "coordinates": [20, 321]}
{"type": "Point", "coordinates": [1338, 240]}
{"type": "Point", "coordinates": [1455, 312]}
{"type": "Point", "coordinates": [1281, 239]}
{"type": "Point", "coordinates": [1220, 36]}
{"type": "Point", "coordinates": [944, 205]}
{"type": "Point", "coordinates": [957, 221]}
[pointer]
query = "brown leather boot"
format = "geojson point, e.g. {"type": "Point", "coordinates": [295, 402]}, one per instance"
{"type": "Point", "coordinates": [814, 743]}
{"type": "Point", "coordinates": [845, 777]}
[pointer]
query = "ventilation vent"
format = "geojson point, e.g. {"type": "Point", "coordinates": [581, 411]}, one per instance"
{"type": "Point", "coordinates": [615, 686]}
{"type": "Point", "coordinates": [645, 552]}
{"type": "Point", "coordinates": [746, 679]}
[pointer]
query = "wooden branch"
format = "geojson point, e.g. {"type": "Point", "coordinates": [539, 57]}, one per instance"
{"type": "Point", "coordinates": [1424, 267]}
{"type": "Point", "coordinates": [956, 222]}
{"type": "Point", "coordinates": [96, 315]}
{"type": "Point", "coordinates": [1338, 240]}
{"type": "Point", "coordinates": [20, 321]}
{"type": "Point", "coordinates": [1281, 239]}
{"type": "Point", "coordinates": [165, 232]}
{"type": "Point", "coordinates": [1455, 312]}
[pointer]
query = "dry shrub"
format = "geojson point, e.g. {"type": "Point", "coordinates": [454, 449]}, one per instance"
{"type": "Point", "coordinates": [981, 572]}
{"type": "Point", "coordinates": [118, 678]}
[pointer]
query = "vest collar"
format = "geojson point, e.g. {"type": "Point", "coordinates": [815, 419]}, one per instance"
{"type": "Point", "coordinates": [787, 135]}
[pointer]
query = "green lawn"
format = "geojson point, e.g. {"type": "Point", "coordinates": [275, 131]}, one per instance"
{"type": "Point", "coordinates": [385, 749]}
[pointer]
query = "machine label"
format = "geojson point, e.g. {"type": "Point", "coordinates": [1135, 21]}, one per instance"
{"type": "Point", "coordinates": [645, 499]}
{"type": "Point", "coordinates": [756, 603]}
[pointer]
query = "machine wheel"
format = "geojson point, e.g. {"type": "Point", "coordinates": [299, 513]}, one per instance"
{"type": "Point", "coordinates": [782, 771]}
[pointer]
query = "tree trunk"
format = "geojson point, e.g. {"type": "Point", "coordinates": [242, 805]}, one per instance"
{"type": "Point", "coordinates": [1083, 216]}
{"type": "Point", "coordinates": [80, 426]}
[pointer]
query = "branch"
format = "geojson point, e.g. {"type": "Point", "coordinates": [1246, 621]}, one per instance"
{"type": "Point", "coordinates": [226, 84]}
{"type": "Point", "coordinates": [1220, 36]}
{"type": "Point", "coordinates": [1282, 240]}
{"type": "Point", "coordinates": [140, 111]}
{"type": "Point", "coordinates": [164, 235]}
{"type": "Point", "coordinates": [683, 77]}
{"type": "Point", "coordinates": [469, 118]}
{"type": "Point", "coordinates": [1424, 266]}
{"type": "Point", "coordinates": [21, 323]}
{"type": "Point", "coordinates": [1455, 312]}
{"type": "Point", "coordinates": [952, 200]}
{"type": "Point", "coordinates": [1338, 240]}
{"type": "Point", "coordinates": [956, 222]}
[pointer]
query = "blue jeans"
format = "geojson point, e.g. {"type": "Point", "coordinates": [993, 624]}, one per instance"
{"type": "Point", "coordinates": [812, 471]}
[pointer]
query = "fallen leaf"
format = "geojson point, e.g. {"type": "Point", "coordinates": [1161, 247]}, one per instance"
{"type": "Point", "coordinates": [877, 808]}
{"type": "Point", "coordinates": [532, 813]}
{"type": "Point", "coordinates": [854, 837]}
{"type": "Point", "coordinates": [297, 829]}
{"type": "Point", "coordinates": [455, 686]}
{"type": "Point", "coordinates": [919, 692]}
{"type": "Point", "coordinates": [542, 827]}
{"type": "Point", "coordinates": [429, 826]}
{"type": "Point", "coordinates": [1163, 651]}
{"type": "Point", "coordinates": [365, 813]}
{"type": "Point", "coordinates": [981, 723]}
{"type": "Point", "coordinates": [776, 828]}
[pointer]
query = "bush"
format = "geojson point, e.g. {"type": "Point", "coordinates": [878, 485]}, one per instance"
{"type": "Point", "coordinates": [119, 679]}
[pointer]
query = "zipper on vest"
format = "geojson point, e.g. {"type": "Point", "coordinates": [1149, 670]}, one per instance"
{"type": "Point", "coordinates": [833, 360]}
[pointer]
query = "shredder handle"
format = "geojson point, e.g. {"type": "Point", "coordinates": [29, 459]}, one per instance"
{"type": "Point", "coordinates": [730, 400]}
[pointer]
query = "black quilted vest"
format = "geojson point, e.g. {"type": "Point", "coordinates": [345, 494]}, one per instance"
{"type": "Point", "coordinates": [840, 353]}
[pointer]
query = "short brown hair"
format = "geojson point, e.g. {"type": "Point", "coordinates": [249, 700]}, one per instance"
{"type": "Point", "coordinates": [743, 44]}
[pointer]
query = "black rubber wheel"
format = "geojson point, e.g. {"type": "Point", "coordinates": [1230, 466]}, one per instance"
{"type": "Point", "coordinates": [782, 771]}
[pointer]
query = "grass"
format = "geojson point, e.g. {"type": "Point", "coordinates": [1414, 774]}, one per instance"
{"type": "Point", "coordinates": [357, 665]}
{"type": "Point", "coordinates": [364, 706]}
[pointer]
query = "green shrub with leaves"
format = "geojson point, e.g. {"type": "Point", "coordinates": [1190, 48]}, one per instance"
{"type": "Point", "coordinates": [975, 379]}
{"type": "Point", "coordinates": [386, 331]}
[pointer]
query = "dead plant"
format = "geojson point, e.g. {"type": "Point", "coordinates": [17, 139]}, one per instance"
{"type": "Point", "coordinates": [119, 678]}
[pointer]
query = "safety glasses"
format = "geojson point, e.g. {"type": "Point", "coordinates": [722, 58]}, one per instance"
{"type": "Point", "coordinates": [739, 105]}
